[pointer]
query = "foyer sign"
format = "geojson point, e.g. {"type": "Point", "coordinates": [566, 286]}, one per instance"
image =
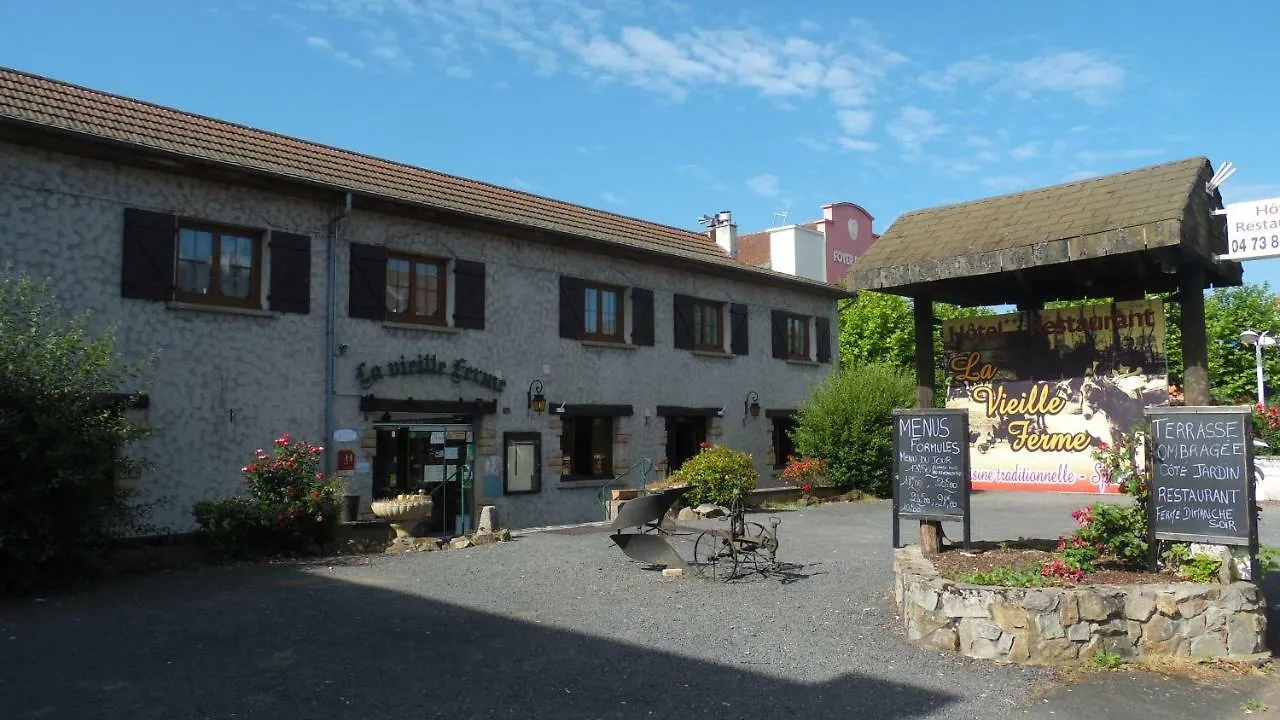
{"type": "Point", "coordinates": [1253, 230]}
{"type": "Point", "coordinates": [458, 371]}
{"type": "Point", "coordinates": [1044, 389]}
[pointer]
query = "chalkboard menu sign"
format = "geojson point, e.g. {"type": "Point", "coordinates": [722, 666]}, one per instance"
{"type": "Point", "coordinates": [931, 466]}
{"type": "Point", "coordinates": [1202, 488]}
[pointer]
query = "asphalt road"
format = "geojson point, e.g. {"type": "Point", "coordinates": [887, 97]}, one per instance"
{"type": "Point", "coordinates": [555, 624]}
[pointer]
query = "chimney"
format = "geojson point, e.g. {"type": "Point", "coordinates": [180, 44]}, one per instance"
{"type": "Point", "coordinates": [725, 233]}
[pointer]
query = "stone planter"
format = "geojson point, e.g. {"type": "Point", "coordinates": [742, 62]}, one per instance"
{"type": "Point", "coordinates": [1058, 625]}
{"type": "Point", "coordinates": [631, 494]}
{"type": "Point", "coordinates": [402, 514]}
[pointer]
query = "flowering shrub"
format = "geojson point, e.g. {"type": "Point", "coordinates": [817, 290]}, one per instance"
{"type": "Point", "coordinates": [805, 473]}
{"type": "Point", "coordinates": [1118, 463]}
{"type": "Point", "coordinates": [291, 506]}
{"type": "Point", "coordinates": [1266, 427]}
{"type": "Point", "coordinates": [718, 475]}
{"type": "Point", "coordinates": [1058, 567]}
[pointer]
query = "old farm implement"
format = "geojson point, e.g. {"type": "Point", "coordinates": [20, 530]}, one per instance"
{"type": "Point", "coordinates": [718, 553]}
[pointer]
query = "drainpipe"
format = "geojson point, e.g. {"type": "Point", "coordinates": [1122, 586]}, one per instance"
{"type": "Point", "coordinates": [331, 334]}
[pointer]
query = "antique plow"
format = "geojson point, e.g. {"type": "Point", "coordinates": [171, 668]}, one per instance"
{"type": "Point", "coordinates": [717, 553]}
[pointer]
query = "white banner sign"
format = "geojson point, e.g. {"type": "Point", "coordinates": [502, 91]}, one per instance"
{"type": "Point", "coordinates": [1253, 230]}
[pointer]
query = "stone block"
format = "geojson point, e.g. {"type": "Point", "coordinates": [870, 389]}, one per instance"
{"type": "Point", "coordinates": [1005, 643]}
{"type": "Point", "coordinates": [1191, 607]}
{"type": "Point", "coordinates": [1041, 600]}
{"type": "Point", "coordinates": [975, 641]}
{"type": "Point", "coordinates": [1215, 618]}
{"type": "Point", "coordinates": [1054, 652]}
{"type": "Point", "coordinates": [672, 572]}
{"type": "Point", "coordinates": [1009, 617]}
{"type": "Point", "coordinates": [1080, 632]}
{"type": "Point", "coordinates": [925, 597]}
{"type": "Point", "coordinates": [1209, 645]}
{"type": "Point", "coordinates": [483, 538]}
{"type": "Point", "coordinates": [1238, 596]}
{"type": "Point", "coordinates": [943, 638]}
{"type": "Point", "coordinates": [1193, 627]}
{"type": "Point", "coordinates": [1159, 629]}
{"type": "Point", "coordinates": [1097, 606]}
{"type": "Point", "coordinates": [1139, 607]}
{"type": "Point", "coordinates": [1049, 626]}
{"type": "Point", "coordinates": [1134, 630]}
{"type": "Point", "coordinates": [1020, 649]}
{"type": "Point", "coordinates": [1069, 609]}
{"type": "Point", "coordinates": [1114, 644]}
{"type": "Point", "coordinates": [958, 605]}
{"type": "Point", "coordinates": [1245, 633]}
{"type": "Point", "coordinates": [488, 519]}
{"type": "Point", "coordinates": [1166, 604]}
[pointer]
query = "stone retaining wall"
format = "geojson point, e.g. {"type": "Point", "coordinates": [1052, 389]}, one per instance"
{"type": "Point", "coordinates": [1050, 626]}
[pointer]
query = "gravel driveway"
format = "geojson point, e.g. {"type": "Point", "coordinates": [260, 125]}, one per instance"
{"type": "Point", "coordinates": [556, 624]}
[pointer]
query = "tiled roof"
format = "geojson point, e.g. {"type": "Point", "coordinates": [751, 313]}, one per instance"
{"type": "Point", "coordinates": [38, 101]}
{"type": "Point", "coordinates": [753, 249]}
{"type": "Point", "coordinates": [1059, 212]}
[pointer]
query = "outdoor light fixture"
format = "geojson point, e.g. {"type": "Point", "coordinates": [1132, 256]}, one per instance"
{"type": "Point", "coordinates": [537, 401]}
{"type": "Point", "coordinates": [751, 406]}
{"type": "Point", "coordinates": [1258, 341]}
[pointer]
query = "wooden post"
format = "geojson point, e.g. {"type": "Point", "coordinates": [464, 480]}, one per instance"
{"type": "Point", "coordinates": [1195, 349]}
{"type": "Point", "coordinates": [930, 530]}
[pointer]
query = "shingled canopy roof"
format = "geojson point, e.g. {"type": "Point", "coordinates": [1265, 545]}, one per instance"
{"type": "Point", "coordinates": [39, 111]}
{"type": "Point", "coordinates": [1112, 235]}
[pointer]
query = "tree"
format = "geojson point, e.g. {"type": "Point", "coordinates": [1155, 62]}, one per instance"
{"type": "Point", "coordinates": [1232, 364]}
{"type": "Point", "coordinates": [847, 422]}
{"type": "Point", "coordinates": [59, 503]}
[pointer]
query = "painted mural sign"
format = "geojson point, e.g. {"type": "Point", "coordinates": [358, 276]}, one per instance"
{"type": "Point", "coordinates": [458, 371]}
{"type": "Point", "coordinates": [1043, 389]}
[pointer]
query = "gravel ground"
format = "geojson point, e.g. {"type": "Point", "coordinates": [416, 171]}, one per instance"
{"type": "Point", "coordinates": [556, 624]}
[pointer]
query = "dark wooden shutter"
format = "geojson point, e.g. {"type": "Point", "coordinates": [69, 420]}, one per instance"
{"type": "Point", "coordinates": [367, 291]}
{"type": "Point", "coordinates": [682, 322]}
{"type": "Point", "coordinates": [571, 302]}
{"type": "Point", "coordinates": [290, 273]}
{"type": "Point", "coordinates": [738, 329]}
{"type": "Point", "coordinates": [778, 325]}
{"type": "Point", "coordinates": [468, 295]}
{"type": "Point", "coordinates": [822, 326]}
{"type": "Point", "coordinates": [642, 316]}
{"type": "Point", "coordinates": [146, 270]}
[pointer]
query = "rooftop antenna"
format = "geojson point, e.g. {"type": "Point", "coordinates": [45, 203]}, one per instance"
{"type": "Point", "coordinates": [782, 214]}
{"type": "Point", "coordinates": [707, 220]}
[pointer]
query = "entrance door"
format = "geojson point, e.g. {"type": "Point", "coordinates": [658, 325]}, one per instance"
{"type": "Point", "coordinates": [685, 435]}
{"type": "Point", "coordinates": [432, 460]}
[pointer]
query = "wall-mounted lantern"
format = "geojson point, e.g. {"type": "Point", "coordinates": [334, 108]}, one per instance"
{"type": "Point", "coordinates": [751, 406]}
{"type": "Point", "coordinates": [537, 401]}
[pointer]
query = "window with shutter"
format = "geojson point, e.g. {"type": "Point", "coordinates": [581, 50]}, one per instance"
{"type": "Point", "coordinates": [468, 295]}
{"type": "Point", "coordinates": [290, 273]}
{"type": "Point", "coordinates": [367, 285]}
{"type": "Point", "coordinates": [602, 313]}
{"type": "Point", "coordinates": [219, 266]}
{"type": "Point", "coordinates": [147, 259]}
{"type": "Point", "coordinates": [791, 336]}
{"type": "Point", "coordinates": [641, 316]}
{"type": "Point", "coordinates": [822, 332]}
{"type": "Point", "coordinates": [571, 307]}
{"type": "Point", "coordinates": [416, 289]}
{"type": "Point", "coordinates": [738, 338]}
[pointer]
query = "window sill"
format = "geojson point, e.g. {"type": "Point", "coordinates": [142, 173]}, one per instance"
{"type": "Point", "coordinates": [420, 327]}
{"type": "Point", "coordinates": [713, 354]}
{"type": "Point", "coordinates": [806, 363]}
{"type": "Point", "coordinates": [607, 344]}
{"type": "Point", "coordinates": [225, 309]}
{"type": "Point", "coordinates": [576, 482]}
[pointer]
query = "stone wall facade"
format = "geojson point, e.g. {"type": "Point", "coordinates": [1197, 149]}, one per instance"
{"type": "Point", "coordinates": [225, 381]}
{"type": "Point", "coordinates": [1057, 625]}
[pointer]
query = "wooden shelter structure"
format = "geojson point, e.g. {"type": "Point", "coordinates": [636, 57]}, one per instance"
{"type": "Point", "coordinates": [1116, 236]}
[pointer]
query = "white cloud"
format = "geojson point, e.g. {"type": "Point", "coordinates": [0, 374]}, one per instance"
{"type": "Point", "coordinates": [1085, 75]}
{"type": "Point", "coordinates": [1026, 150]}
{"type": "Point", "coordinates": [323, 45]}
{"type": "Point", "coordinates": [858, 145]}
{"type": "Point", "coordinates": [1004, 183]}
{"type": "Point", "coordinates": [812, 143]}
{"type": "Point", "coordinates": [764, 185]}
{"type": "Point", "coordinates": [855, 122]}
{"type": "Point", "coordinates": [1093, 156]}
{"type": "Point", "coordinates": [701, 173]}
{"type": "Point", "coordinates": [458, 71]}
{"type": "Point", "coordinates": [965, 168]}
{"type": "Point", "coordinates": [612, 199]}
{"type": "Point", "coordinates": [914, 126]}
{"type": "Point", "coordinates": [520, 184]}
{"type": "Point", "coordinates": [1081, 175]}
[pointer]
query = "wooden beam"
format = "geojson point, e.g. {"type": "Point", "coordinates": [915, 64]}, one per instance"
{"type": "Point", "coordinates": [930, 531]}
{"type": "Point", "coordinates": [1195, 348]}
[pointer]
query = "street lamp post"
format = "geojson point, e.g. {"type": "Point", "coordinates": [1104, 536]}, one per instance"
{"type": "Point", "coordinates": [1258, 341]}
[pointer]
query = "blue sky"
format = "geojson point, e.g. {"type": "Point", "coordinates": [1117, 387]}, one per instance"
{"type": "Point", "coordinates": [668, 110]}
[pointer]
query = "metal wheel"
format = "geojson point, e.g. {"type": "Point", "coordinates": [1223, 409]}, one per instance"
{"type": "Point", "coordinates": [715, 556]}
{"type": "Point", "coordinates": [763, 548]}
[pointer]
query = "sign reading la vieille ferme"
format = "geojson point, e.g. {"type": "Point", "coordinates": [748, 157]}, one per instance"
{"type": "Point", "coordinates": [458, 371]}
